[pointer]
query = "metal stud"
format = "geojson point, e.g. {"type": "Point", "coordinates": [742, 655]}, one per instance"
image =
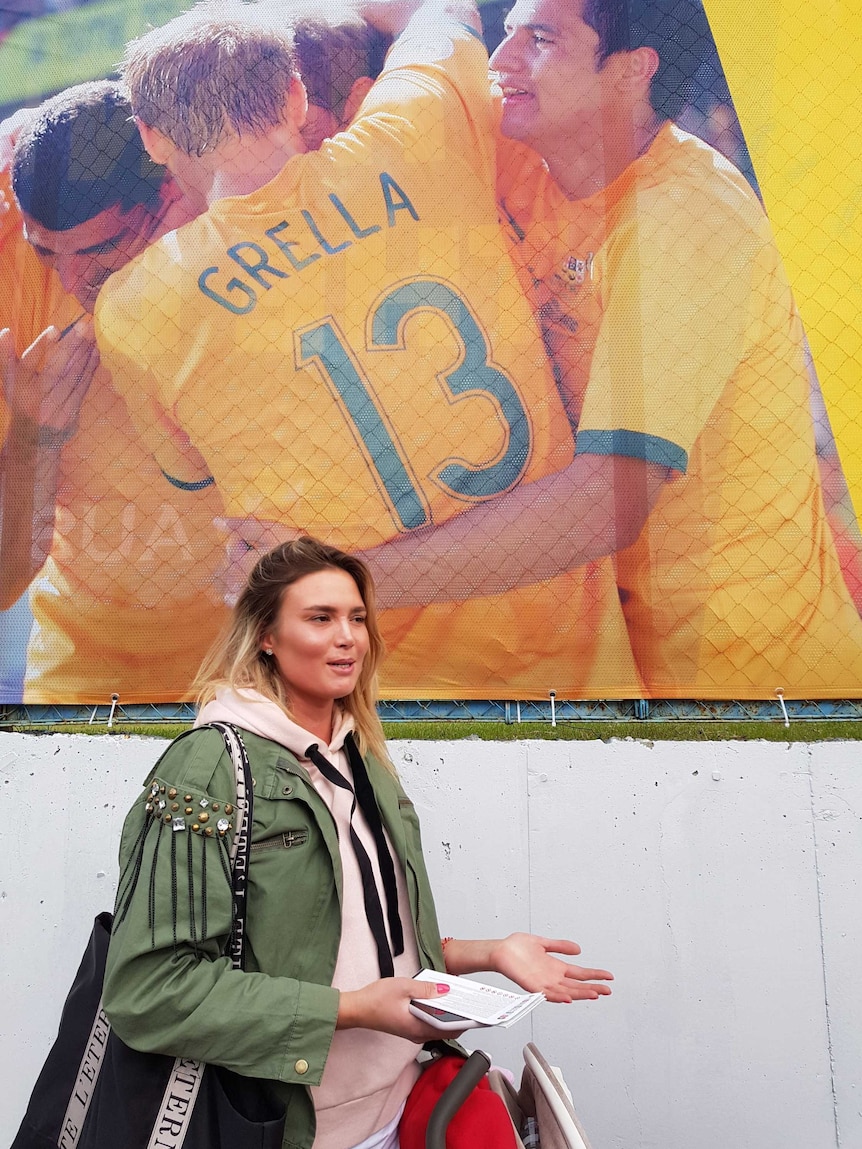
{"type": "Point", "coordinates": [161, 789]}
{"type": "Point", "coordinates": [195, 827]}
{"type": "Point", "coordinates": [175, 806]}
{"type": "Point", "coordinates": [150, 807]}
{"type": "Point", "coordinates": [168, 817]}
{"type": "Point", "coordinates": [228, 808]}
{"type": "Point", "coordinates": [188, 798]}
{"type": "Point", "coordinates": [172, 793]}
{"type": "Point", "coordinates": [204, 817]}
{"type": "Point", "coordinates": [208, 831]}
{"type": "Point", "coordinates": [189, 810]}
{"type": "Point", "coordinates": [215, 805]}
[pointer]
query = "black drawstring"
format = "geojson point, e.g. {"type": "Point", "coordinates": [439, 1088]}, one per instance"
{"type": "Point", "coordinates": [364, 795]}
{"type": "Point", "coordinates": [368, 806]}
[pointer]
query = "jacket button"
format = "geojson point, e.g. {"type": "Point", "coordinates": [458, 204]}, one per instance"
{"type": "Point", "coordinates": [301, 1066]}
{"type": "Point", "coordinates": [287, 791]}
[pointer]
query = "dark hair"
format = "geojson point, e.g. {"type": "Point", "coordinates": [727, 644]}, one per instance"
{"type": "Point", "coordinates": [678, 31]}
{"type": "Point", "coordinates": [332, 56]}
{"type": "Point", "coordinates": [81, 155]}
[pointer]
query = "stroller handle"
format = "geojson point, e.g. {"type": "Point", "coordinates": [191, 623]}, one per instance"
{"type": "Point", "coordinates": [454, 1096]}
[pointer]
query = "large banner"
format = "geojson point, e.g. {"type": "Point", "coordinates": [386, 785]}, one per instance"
{"type": "Point", "coordinates": [570, 353]}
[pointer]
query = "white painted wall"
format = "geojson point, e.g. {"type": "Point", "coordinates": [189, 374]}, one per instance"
{"type": "Point", "coordinates": [717, 880]}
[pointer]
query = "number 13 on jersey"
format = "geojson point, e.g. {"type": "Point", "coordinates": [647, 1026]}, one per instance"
{"type": "Point", "coordinates": [471, 373]}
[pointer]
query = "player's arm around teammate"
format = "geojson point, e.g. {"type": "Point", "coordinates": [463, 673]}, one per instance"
{"type": "Point", "coordinates": [600, 505]}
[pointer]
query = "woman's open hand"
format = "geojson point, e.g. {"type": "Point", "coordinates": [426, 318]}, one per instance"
{"type": "Point", "coordinates": [383, 1005]}
{"type": "Point", "coordinates": [529, 961]}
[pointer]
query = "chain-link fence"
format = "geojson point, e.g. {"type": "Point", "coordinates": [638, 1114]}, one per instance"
{"type": "Point", "coordinates": [529, 349]}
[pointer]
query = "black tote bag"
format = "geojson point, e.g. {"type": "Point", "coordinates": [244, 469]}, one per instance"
{"type": "Point", "coordinates": [94, 1092]}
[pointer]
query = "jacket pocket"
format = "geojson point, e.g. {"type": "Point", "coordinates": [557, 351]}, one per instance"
{"type": "Point", "coordinates": [288, 840]}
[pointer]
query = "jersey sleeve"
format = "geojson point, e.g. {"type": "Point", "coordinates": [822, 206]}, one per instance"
{"type": "Point", "coordinates": [168, 986]}
{"type": "Point", "coordinates": [10, 216]}
{"type": "Point", "coordinates": [678, 285]}
{"type": "Point", "coordinates": [133, 354]}
{"type": "Point", "coordinates": [434, 93]}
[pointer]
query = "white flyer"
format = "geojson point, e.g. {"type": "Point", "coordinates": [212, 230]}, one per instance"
{"type": "Point", "coordinates": [480, 1002]}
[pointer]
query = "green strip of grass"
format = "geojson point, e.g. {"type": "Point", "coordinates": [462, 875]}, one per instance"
{"type": "Point", "coordinates": [811, 730]}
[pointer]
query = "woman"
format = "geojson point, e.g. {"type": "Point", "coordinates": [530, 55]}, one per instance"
{"type": "Point", "coordinates": [340, 914]}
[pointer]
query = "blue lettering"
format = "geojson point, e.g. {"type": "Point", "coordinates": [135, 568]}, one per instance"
{"type": "Point", "coordinates": [318, 235]}
{"type": "Point", "coordinates": [389, 186]}
{"type": "Point", "coordinates": [473, 374]}
{"type": "Point", "coordinates": [359, 232]}
{"type": "Point", "coordinates": [256, 270]}
{"type": "Point", "coordinates": [325, 344]}
{"type": "Point", "coordinates": [239, 297]}
{"type": "Point", "coordinates": [286, 245]}
{"type": "Point", "coordinates": [232, 285]}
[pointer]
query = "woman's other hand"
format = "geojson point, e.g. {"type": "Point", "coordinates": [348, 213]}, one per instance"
{"type": "Point", "coordinates": [529, 961]}
{"type": "Point", "coordinates": [383, 1005]}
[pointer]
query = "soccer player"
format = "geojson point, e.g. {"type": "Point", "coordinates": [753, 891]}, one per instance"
{"type": "Point", "coordinates": [341, 334]}
{"type": "Point", "coordinates": [680, 357]}
{"type": "Point", "coordinates": [125, 545]}
{"type": "Point", "coordinates": [25, 470]}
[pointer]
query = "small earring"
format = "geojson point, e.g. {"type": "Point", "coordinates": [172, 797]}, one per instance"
{"type": "Point", "coordinates": [268, 651]}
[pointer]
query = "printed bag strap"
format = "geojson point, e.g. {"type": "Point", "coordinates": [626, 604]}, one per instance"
{"type": "Point", "coordinates": [239, 847]}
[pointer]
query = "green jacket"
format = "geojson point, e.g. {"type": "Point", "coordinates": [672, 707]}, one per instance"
{"type": "Point", "coordinates": [168, 989]}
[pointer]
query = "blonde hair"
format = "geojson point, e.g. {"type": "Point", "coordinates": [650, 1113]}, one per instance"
{"type": "Point", "coordinates": [206, 73]}
{"type": "Point", "coordinates": [334, 46]}
{"type": "Point", "coordinates": [237, 662]}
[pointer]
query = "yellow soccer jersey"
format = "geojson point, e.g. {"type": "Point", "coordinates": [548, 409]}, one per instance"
{"type": "Point", "coordinates": [675, 336]}
{"type": "Point", "coordinates": [126, 600]}
{"type": "Point", "coordinates": [349, 351]}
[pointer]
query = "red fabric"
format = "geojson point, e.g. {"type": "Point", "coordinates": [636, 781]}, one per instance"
{"type": "Point", "coordinates": [482, 1122]}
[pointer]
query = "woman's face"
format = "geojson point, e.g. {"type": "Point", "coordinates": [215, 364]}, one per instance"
{"type": "Point", "coordinates": [319, 640]}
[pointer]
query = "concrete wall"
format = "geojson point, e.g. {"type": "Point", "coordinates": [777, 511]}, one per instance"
{"type": "Point", "coordinates": [718, 881]}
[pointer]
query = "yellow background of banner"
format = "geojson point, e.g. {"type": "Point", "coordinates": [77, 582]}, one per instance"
{"type": "Point", "coordinates": [794, 69]}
